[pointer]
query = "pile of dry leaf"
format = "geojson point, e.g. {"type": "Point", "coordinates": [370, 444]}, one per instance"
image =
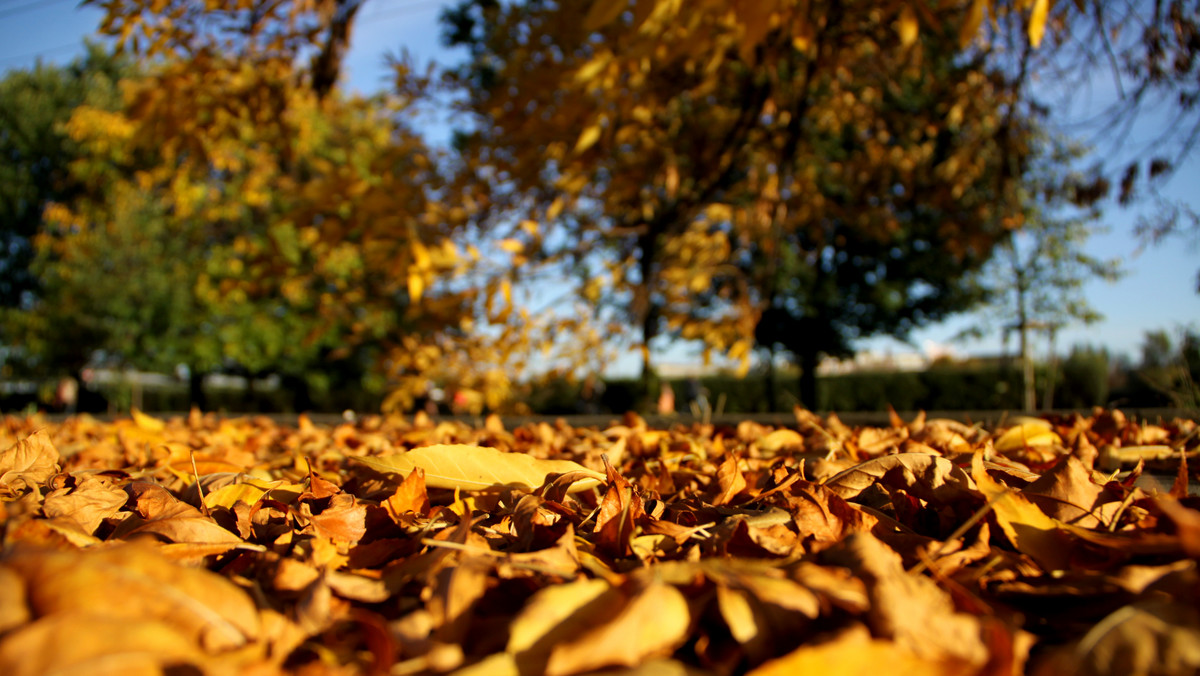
{"type": "Point", "coordinates": [394, 546]}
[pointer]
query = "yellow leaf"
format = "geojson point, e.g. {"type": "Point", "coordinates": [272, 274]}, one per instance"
{"type": "Point", "coordinates": [228, 496]}
{"type": "Point", "coordinates": [781, 440]}
{"type": "Point", "coordinates": [1037, 21]}
{"type": "Point", "coordinates": [602, 13]}
{"type": "Point", "coordinates": [651, 624]}
{"type": "Point", "coordinates": [1026, 526]}
{"type": "Point", "coordinates": [421, 258]}
{"type": "Point", "coordinates": [592, 68]}
{"type": "Point", "coordinates": [148, 423]}
{"type": "Point", "coordinates": [588, 138]}
{"type": "Point", "coordinates": [907, 26]}
{"type": "Point", "coordinates": [854, 653]}
{"type": "Point", "coordinates": [737, 609]}
{"type": "Point", "coordinates": [548, 613]}
{"type": "Point", "coordinates": [477, 467]}
{"type": "Point", "coordinates": [1026, 434]}
{"type": "Point", "coordinates": [416, 286]}
{"type": "Point", "coordinates": [512, 246]}
{"type": "Point", "coordinates": [974, 20]}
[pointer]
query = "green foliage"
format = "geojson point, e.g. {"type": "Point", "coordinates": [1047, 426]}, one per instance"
{"type": "Point", "coordinates": [37, 152]}
{"type": "Point", "coordinates": [1085, 378]}
{"type": "Point", "coordinates": [1169, 371]}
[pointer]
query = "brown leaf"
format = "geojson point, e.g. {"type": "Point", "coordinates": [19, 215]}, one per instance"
{"type": "Point", "coordinates": [91, 501]}
{"type": "Point", "coordinates": [1179, 489]}
{"type": "Point", "coordinates": [410, 499]}
{"type": "Point", "coordinates": [1071, 497]}
{"type": "Point", "coordinates": [620, 509]}
{"type": "Point", "coordinates": [343, 520]}
{"type": "Point", "coordinates": [132, 582]}
{"type": "Point", "coordinates": [1159, 636]}
{"type": "Point", "coordinates": [730, 480]}
{"type": "Point", "coordinates": [909, 609]}
{"type": "Point", "coordinates": [80, 642]}
{"type": "Point", "coordinates": [941, 479]}
{"type": "Point", "coordinates": [821, 516]}
{"type": "Point", "coordinates": [27, 464]}
{"type": "Point", "coordinates": [160, 513]}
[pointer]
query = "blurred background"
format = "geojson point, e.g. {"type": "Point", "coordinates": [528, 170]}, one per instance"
{"type": "Point", "coordinates": [592, 206]}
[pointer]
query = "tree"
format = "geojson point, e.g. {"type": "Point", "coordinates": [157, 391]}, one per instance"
{"type": "Point", "coordinates": [1037, 278]}
{"type": "Point", "coordinates": [310, 224]}
{"type": "Point", "coordinates": [1169, 372]}
{"type": "Point", "coordinates": [663, 153]}
{"type": "Point", "coordinates": [37, 153]}
{"type": "Point", "coordinates": [315, 230]}
{"type": "Point", "coordinates": [1147, 54]}
{"type": "Point", "coordinates": [893, 208]}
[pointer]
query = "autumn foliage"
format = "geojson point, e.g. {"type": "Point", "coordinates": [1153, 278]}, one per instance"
{"type": "Point", "coordinates": [413, 546]}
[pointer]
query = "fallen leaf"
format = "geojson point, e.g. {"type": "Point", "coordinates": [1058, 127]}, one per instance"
{"type": "Point", "coordinates": [1066, 493]}
{"type": "Point", "coordinates": [476, 467]}
{"type": "Point", "coordinates": [729, 480]}
{"type": "Point", "coordinates": [79, 642]}
{"type": "Point", "coordinates": [342, 520]}
{"type": "Point", "coordinates": [1151, 637]}
{"type": "Point", "coordinates": [89, 503]}
{"type": "Point", "coordinates": [1026, 434]}
{"type": "Point", "coordinates": [910, 609]}
{"type": "Point", "coordinates": [854, 653]}
{"type": "Point", "coordinates": [652, 623]}
{"type": "Point", "coordinates": [780, 441]}
{"type": "Point", "coordinates": [27, 464]}
{"type": "Point", "coordinates": [160, 513]}
{"type": "Point", "coordinates": [410, 499]}
{"type": "Point", "coordinates": [554, 614]}
{"type": "Point", "coordinates": [941, 479]}
{"type": "Point", "coordinates": [132, 582]}
{"type": "Point", "coordinates": [1028, 528]}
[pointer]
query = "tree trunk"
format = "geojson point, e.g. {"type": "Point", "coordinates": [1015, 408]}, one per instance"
{"type": "Point", "coordinates": [327, 64]}
{"type": "Point", "coordinates": [196, 396]}
{"type": "Point", "coordinates": [298, 386]}
{"type": "Point", "coordinates": [1052, 373]}
{"type": "Point", "coordinates": [808, 378]}
{"type": "Point", "coordinates": [772, 400]}
{"type": "Point", "coordinates": [1029, 392]}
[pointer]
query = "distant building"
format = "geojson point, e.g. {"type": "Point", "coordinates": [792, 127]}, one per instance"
{"type": "Point", "coordinates": [869, 360]}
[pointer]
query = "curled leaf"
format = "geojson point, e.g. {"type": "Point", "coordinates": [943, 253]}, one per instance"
{"type": "Point", "coordinates": [27, 463]}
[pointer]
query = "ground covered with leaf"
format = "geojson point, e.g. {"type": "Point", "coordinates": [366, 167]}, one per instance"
{"type": "Point", "coordinates": [390, 545]}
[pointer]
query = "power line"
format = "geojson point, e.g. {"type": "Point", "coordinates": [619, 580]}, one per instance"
{"type": "Point", "coordinates": [409, 8]}
{"type": "Point", "coordinates": [28, 7]}
{"type": "Point", "coordinates": [42, 52]}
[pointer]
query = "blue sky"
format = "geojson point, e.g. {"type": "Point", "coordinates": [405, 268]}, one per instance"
{"type": "Point", "coordinates": [1158, 291]}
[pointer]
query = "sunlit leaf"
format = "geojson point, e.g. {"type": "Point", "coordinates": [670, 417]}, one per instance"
{"type": "Point", "coordinates": [588, 138]}
{"type": "Point", "coordinates": [1027, 527]}
{"type": "Point", "coordinates": [1025, 435]}
{"type": "Point", "coordinates": [907, 26]}
{"type": "Point", "coordinates": [476, 467]}
{"type": "Point", "coordinates": [1037, 21]}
